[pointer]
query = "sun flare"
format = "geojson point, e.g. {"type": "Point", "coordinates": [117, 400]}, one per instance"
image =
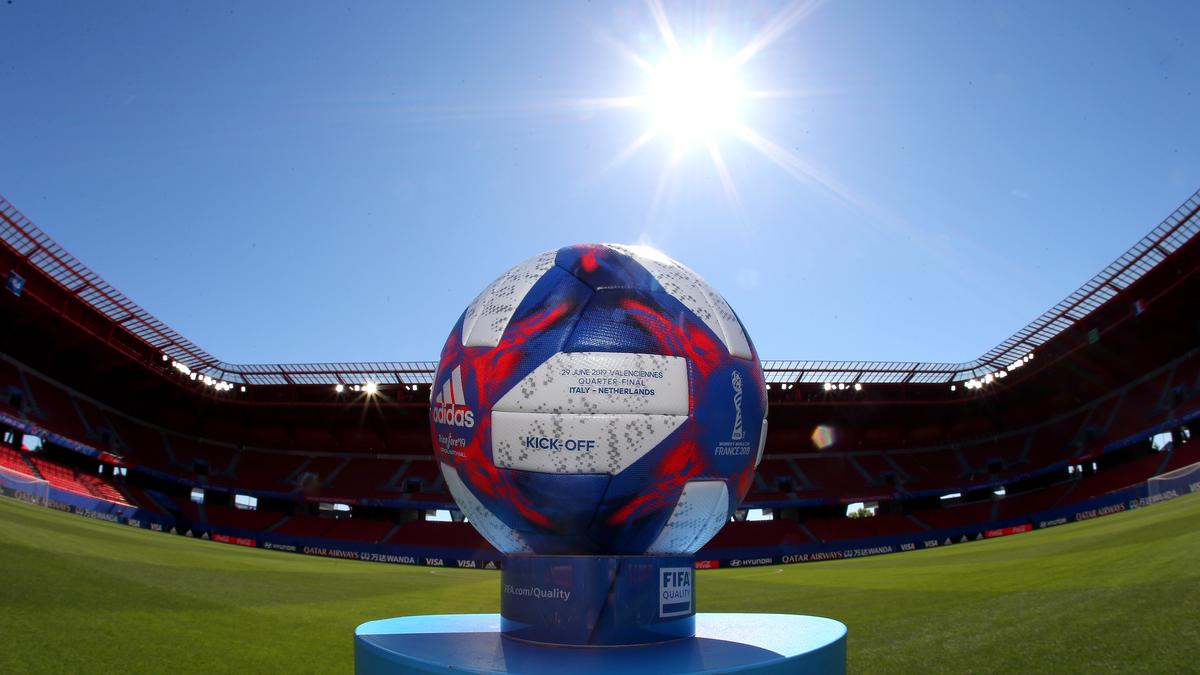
{"type": "Point", "coordinates": [697, 98]}
{"type": "Point", "coordinates": [694, 98]}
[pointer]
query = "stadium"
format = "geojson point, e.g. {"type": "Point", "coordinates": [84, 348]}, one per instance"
{"type": "Point", "coordinates": [281, 184]}
{"type": "Point", "coordinates": [109, 414]}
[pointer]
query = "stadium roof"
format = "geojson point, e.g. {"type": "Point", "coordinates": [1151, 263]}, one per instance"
{"type": "Point", "coordinates": [39, 250]}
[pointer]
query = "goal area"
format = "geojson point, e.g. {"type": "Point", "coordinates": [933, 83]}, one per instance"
{"type": "Point", "coordinates": [29, 488]}
{"type": "Point", "coordinates": [1181, 481]}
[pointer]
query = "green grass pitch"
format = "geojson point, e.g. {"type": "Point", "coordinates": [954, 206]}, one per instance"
{"type": "Point", "coordinates": [1116, 594]}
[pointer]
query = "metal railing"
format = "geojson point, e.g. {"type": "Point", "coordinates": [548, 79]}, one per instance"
{"type": "Point", "coordinates": [1169, 236]}
{"type": "Point", "coordinates": [42, 252]}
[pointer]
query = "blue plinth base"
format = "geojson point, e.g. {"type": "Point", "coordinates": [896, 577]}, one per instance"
{"type": "Point", "coordinates": [745, 643]}
{"type": "Point", "coordinates": [586, 600]}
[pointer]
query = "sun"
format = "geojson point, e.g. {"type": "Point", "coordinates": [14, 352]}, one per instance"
{"type": "Point", "coordinates": [694, 98]}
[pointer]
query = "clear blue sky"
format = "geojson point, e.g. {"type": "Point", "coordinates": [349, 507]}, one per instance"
{"type": "Point", "coordinates": [337, 181]}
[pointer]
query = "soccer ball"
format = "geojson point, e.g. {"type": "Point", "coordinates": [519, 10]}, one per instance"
{"type": "Point", "coordinates": [602, 400]}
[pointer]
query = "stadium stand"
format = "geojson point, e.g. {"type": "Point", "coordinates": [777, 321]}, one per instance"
{"type": "Point", "coordinates": [834, 529]}
{"type": "Point", "coordinates": [957, 515]}
{"type": "Point", "coordinates": [55, 407]}
{"type": "Point", "coordinates": [62, 477]}
{"type": "Point", "coordinates": [141, 443]}
{"type": "Point", "coordinates": [243, 519]}
{"type": "Point", "coordinates": [756, 534]}
{"type": "Point", "coordinates": [364, 477]}
{"type": "Point", "coordinates": [828, 474]}
{"type": "Point", "coordinates": [16, 461]}
{"type": "Point", "coordinates": [881, 472]}
{"type": "Point", "coordinates": [1111, 480]}
{"type": "Point", "coordinates": [1020, 504]}
{"type": "Point", "coordinates": [928, 469]}
{"type": "Point", "coordinates": [437, 535]}
{"type": "Point", "coordinates": [1184, 455]}
{"type": "Point", "coordinates": [191, 511]}
{"type": "Point", "coordinates": [1116, 362]}
{"type": "Point", "coordinates": [336, 528]}
{"type": "Point", "coordinates": [268, 472]}
{"type": "Point", "coordinates": [143, 499]}
{"type": "Point", "coordinates": [1140, 407]}
{"type": "Point", "coordinates": [1054, 441]}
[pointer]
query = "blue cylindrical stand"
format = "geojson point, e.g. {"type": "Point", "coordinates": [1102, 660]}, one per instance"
{"type": "Point", "coordinates": [597, 600]}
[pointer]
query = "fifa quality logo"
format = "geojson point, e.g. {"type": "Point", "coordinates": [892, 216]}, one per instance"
{"type": "Point", "coordinates": [738, 432]}
{"type": "Point", "coordinates": [674, 591]}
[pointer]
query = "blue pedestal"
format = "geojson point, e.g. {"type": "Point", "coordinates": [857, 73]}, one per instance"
{"type": "Point", "coordinates": [597, 601]}
{"type": "Point", "coordinates": [745, 643]}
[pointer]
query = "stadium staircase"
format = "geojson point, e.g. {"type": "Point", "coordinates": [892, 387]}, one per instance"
{"type": "Point", "coordinates": [143, 499]}
{"type": "Point", "coordinates": [392, 532]}
{"type": "Point", "coordinates": [231, 469]}
{"type": "Point", "coordinates": [395, 483]}
{"type": "Point", "coordinates": [807, 532]}
{"type": "Point", "coordinates": [61, 477]}
{"type": "Point", "coordinates": [1064, 497]}
{"type": "Point", "coordinates": [294, 477]}
{"type": "Point", "coordinates": [33, 469]}
{"type": "Point", "coordinates": [170, 452]}
{"type": "Point", "coordinates": [88, 430]}
{"type": "Point", "coordinates": [919, 523]}
{"type": "Point", "coordinates": [30, 402]}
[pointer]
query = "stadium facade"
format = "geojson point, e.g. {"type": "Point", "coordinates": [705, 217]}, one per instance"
{"type": "Point", "coordinates": [1088, 410]}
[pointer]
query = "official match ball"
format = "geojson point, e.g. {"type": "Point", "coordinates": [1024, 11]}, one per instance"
{"type": "Point", "coordinates": [599, 400]}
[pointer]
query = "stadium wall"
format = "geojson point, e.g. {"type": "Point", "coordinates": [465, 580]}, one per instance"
{"type": "Point", "coordinates": [1115, 502]}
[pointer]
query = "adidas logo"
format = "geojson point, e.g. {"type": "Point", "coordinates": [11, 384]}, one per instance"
{"type": "Point", "coordinates": [450, 405]}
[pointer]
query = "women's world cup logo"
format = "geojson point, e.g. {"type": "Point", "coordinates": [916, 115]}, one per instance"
{"type": "Point", "coordinates": [738, 433]}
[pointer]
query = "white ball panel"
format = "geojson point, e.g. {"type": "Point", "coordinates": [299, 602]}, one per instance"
{"type": "Point", "coordinates": [503, 537]}
{"type": "Point", "coordinates": [700, 512]}
{"type": "Point", "coordinates": [576, 443]}
{"type": "Point", "coordinates": [488, 315]}
{"type": "Point", "coordinates": [695, 293]}
{"type": "Point", "coordinates": [602, 382]}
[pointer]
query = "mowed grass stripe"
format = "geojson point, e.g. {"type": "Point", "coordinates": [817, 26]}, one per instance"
{"type": "Point", "coordinates": [1116, 594]}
